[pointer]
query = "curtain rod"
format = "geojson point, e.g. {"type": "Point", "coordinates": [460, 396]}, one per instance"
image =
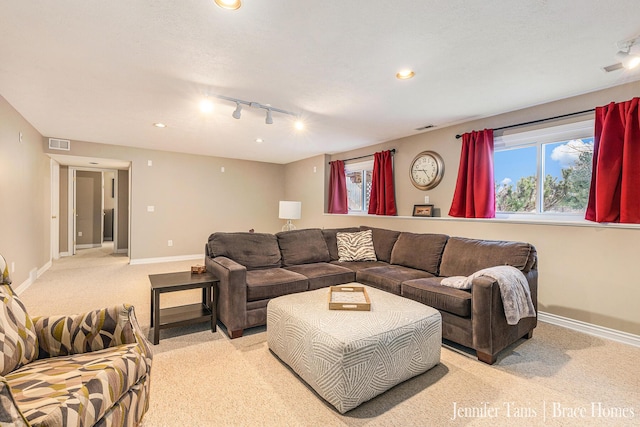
{"type": "Point", "coordinates": [393, 150]}
{"type": "Point", "coordinates": [541, 120]}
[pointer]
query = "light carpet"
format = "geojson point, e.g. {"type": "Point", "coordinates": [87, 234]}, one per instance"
{"type": "Point", "coordinates": [199, 378]}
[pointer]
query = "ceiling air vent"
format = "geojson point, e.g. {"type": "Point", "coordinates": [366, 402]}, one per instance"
{"type": "Point", "coordinates": [426, 127]}
{"type": "Point", "coordinates": [59, 144]}
{"type": "Point", "coordinates": [613, 67]}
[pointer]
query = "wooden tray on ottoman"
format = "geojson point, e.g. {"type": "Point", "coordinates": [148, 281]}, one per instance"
{"type": "Point", "coordinates": [349, 298]}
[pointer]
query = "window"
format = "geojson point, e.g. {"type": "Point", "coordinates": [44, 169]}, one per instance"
{"type": "Point", "coordinates": [358, 185]}
{"type": "Point", "coordinates": [546, 171]}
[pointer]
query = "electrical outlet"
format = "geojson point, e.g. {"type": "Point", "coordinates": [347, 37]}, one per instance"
{"type": "Point", "coordinates": [151, 208]}
{"type": "Point", "coordinates": [13, 267]}
{"type": "Point", "coordinates": [170, 243]}
{"type": "Point", "coordinates": [79, 233]}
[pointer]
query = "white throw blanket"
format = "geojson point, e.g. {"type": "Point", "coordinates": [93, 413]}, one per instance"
{"type": "Point", "coordinates": [514, 289]}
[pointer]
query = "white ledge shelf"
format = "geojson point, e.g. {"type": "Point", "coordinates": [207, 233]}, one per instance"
{"type": "Point", "coordinates": [507, 220]}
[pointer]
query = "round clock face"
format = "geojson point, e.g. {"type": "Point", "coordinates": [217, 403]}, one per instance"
{"type": "Point", "coordinates": [427, 169]}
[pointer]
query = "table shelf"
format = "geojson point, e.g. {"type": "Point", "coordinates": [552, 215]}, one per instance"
{"type": "Point", "coordinates": [184, 315]}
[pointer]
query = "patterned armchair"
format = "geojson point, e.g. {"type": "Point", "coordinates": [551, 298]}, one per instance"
{"type": "Point", "coordinates": [84, 370]}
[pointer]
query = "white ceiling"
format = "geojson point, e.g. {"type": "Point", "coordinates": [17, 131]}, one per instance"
{"type": "Point", "coordinates": [105, 71]}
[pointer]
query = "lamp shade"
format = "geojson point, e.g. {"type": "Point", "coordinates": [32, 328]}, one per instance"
{"type": "Point", "coordinates": [290, 210]}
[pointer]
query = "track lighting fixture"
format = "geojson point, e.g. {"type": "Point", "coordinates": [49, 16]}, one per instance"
{"type": "Point", "coordinates": [238, 110]}
{"type": "Point", "coordinates": [627, 59]}
{"type": "Point", "coordinates": [206, 105]}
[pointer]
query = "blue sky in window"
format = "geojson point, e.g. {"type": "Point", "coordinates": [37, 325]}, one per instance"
{"type": "Point", "coordinates": [511, 165]}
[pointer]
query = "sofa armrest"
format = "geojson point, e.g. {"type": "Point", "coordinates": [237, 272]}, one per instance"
{"type": "Point", "coordinates": [491, 332]}
{"type": "Point", "coordinates": [232, 292]}
{"type": "Point", "coordinates": [10, 414]}
{"type": "Point", "coordinates": [92, 331]}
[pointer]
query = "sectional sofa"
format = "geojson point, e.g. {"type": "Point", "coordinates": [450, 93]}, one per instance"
{"type": "Point", "coordinates": [253, 268]}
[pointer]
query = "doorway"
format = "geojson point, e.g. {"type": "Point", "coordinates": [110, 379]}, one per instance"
{"type": "Point", "coordinates": [90, 196]}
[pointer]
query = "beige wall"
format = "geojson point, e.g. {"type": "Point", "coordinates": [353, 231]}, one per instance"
{"type": "Point", "coordinates": [25, 188]}
{"type": "Point", "coordinates": [192, 197]}
{"type": "Point", "coordinates": [305, 181]}
{"type": "Point", "coordinates": [586, 273]}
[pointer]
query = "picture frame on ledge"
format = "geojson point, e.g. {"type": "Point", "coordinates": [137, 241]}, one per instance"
{"type": "Point", "coordinates": [423, 210]}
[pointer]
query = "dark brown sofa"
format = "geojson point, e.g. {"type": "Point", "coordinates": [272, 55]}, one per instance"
{"type": "Point", "coordinates": [256, 267]}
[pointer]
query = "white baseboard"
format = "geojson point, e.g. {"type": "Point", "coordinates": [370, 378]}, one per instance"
{"type": "Point", "coordinates": [33, 275]}
{"type": "Point", "coordinates": [122, 251]}
{"type": "Point", "coordinates": [89, 246]}
{"type": "Point", "coordinates": [64, 254]}
{"type": "Point", "coordinates": [591, 329]}
{"type": "Point", "coordinates": [166, 259]}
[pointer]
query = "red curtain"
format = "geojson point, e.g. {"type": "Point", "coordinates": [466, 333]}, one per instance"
{"type": "Point", "coordinates": [614, 195]}
{"type": "Point", "coordinates": [382, 200]}
{"type": "Point", "coordinates": [338, 189]}
{"type": "Point", "coordinates": [474, 196]}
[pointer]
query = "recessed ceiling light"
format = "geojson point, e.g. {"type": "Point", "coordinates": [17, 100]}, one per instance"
{"type": "Point", "coordinates": [405, 74]}
{"type": "Point", "coordinates": [229, 4]}
{"type": "Point", "coordinates": [259, 140]}
{"type": "Point", "coordinates": [160, 125]}
{"type": "Point", "coordinates": [206, 105]}
{"type": "Point", "coordinates": [299, 124]}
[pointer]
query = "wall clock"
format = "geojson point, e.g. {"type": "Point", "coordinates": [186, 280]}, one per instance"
{"type": "Point", "coordinates": [427, 170]}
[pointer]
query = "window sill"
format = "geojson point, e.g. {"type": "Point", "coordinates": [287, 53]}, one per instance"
{"type": "Point", "coordinates": [510, 219]}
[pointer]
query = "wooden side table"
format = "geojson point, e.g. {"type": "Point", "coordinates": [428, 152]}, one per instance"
{"type": "Point", "coordinates": [186, 314]}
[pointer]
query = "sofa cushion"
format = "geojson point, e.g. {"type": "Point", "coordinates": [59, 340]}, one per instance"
{"type": "Point", "coordinates": [274, 282]}
{"type": "Point", "coordinates": [356, 246]}
{"type": "Point", "coordinates": [430, 292]}
{"type": "Point", "coordinates": [389, 277]}
{"type": "Point", "coordinates": [18, 339]}
{"type": "Point", "coordinates": [322, 274]}
{"type": "Point", "coordinates": [360, 265]}
{"type": "Point", "coordinates": [330, 238]}
{"type": "Point", "coordinates": [253, 250]}
{"type": "Point", "coordinates": [463, 257]}
{"type": "Point", "coordinates": [421, 251]}
{"type": "Point", "coordinates": [383, 242]}
{"type": "Point", "coordinates": [302, 246]}
{"type": "Point", "coordinates": [80, 387]}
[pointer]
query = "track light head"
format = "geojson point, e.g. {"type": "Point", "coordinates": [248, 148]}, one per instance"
{"type": "Point", "coordinates": [269, 119]}
{"type": "Point", "coordinates": [237, 112]}
{"type": "Point", "coordinates": [628, 60]}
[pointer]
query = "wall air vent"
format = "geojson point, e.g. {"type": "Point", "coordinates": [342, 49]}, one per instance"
{"type": "Point", "coordinates": [59, 144]}
{"type": "Point", "coordinates": [426, 127]}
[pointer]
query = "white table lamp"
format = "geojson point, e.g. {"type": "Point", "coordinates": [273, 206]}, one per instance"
{"type": "Point", "coordinates": [289, 210]}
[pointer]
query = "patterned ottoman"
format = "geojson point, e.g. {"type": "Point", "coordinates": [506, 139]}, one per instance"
{"type": "Point", "coordinates": [349, 357]}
